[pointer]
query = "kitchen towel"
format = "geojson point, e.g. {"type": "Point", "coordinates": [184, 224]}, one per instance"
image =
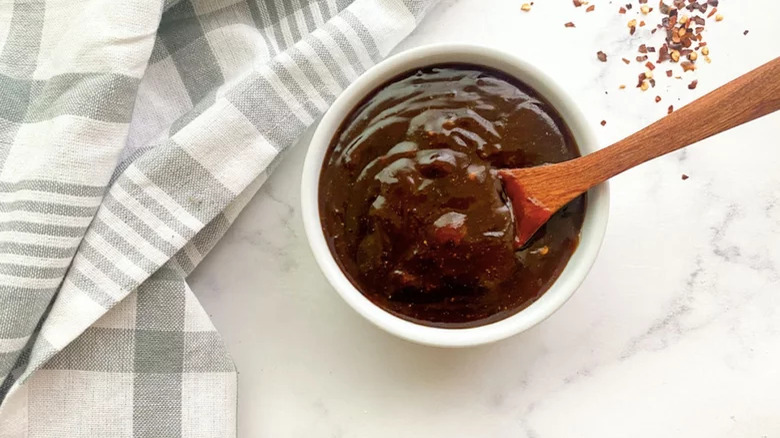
{"type": "Point", "coordinates": [131, 135]}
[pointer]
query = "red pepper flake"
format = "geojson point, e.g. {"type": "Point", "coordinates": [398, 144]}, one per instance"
{"type": "Point", "coordinates": [591, 8]}
{"type": "Point", "coordinates": [684, 177]}
{"type": "Point", "coordinates": [693, 84]}
{"type": "Point", "coordinates": [745, 32]}
{"type": "Point", "coordinates": [603, 123]}
{"type": "Point", "coordinates": [577, 3]}
{"type": "Point", "coordinates": [683, 23]}
{"type": "Point", "coordinates": [657, 99]}
{"type": "Point", "coordinates": [663, 54]}
{"type": "Point", "coordinates": [569, 24]}
{"type": "Point", "coordinates": [670, 110]}
{"type": "Point", "coordinates": [642, 78]}
{"type": "Point", "coordinates": [688, 66]}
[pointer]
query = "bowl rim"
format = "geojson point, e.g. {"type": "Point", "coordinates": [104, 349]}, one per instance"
{"type": "Point", "coordinates": [593, 230]}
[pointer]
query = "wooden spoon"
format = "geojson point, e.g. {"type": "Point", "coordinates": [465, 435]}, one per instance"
{"type": "Point", "coordinates": [538, 192]}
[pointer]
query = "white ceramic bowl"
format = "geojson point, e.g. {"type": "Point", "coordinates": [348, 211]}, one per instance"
{"type": "Point", "coordinates": [572, 276]}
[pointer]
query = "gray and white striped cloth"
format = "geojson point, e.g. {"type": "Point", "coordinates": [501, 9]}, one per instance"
{"type": "Point", "coordinates": [131, 135]}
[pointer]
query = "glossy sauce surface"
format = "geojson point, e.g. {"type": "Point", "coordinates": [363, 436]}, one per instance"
{"type": "Point", "coordinates": [412, 208]}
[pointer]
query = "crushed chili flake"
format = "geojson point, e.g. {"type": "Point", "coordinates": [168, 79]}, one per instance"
{"type": "Point", "coordinates": [603, 123]}
{"type": "Point", "coordinates": [745, 32]}
{"type": "Point", "coordinates": [642, 78]}
{"type": "Point", "coordinates": [670, 110]}
{"type": "Point", "coordinates": [693, 84]}
{"type": "Point", "coordinates": [684, 177]}
{"type": "Point", "coordinates": [657, 99]}
{"type": "Point", "coordinates": [682, 23]}
{"type": "Point", "coordinates": [688, 66]}
{"type": "Point", "coordinates": [663, 54]}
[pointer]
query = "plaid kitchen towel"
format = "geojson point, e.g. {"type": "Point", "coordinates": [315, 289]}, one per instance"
{"type": "Point", "coordinates": [131, 135]}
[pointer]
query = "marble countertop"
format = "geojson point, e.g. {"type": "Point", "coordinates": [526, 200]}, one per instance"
{"type": "Point", "coordinates": [675, 332]}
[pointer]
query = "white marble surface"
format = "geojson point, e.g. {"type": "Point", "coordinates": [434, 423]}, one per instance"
{"type": "Point", "coordinates": [676, 332]}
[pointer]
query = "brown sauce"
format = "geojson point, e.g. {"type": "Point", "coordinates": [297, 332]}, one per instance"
{"type": "Point", "coordinates": [414, 212]}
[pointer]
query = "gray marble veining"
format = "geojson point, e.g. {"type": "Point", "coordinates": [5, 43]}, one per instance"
{"type": "Point", "coordinates": [674, 333]}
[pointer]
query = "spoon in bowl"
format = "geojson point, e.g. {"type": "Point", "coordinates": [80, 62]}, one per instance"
{"type": "Point", "coordinates": [538, 192]}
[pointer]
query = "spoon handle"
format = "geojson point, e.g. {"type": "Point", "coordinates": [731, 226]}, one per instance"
{"type": "Point", "coordinates": [746, 98]}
